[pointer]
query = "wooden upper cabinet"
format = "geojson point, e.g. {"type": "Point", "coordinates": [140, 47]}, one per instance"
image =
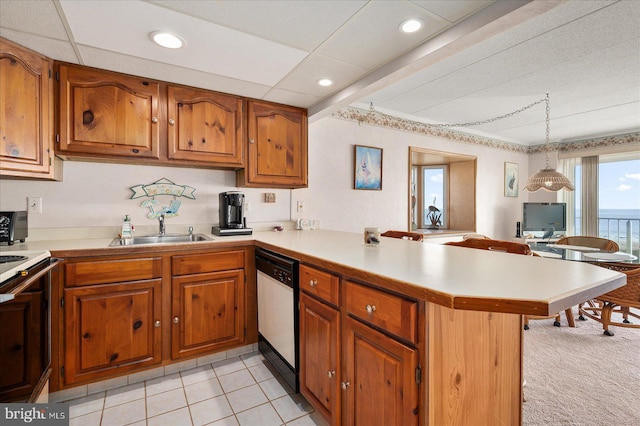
{"type": "Point", "coordinates": [277, 148]}
{"type": "Point", "coordinates": [204, 126]}
{"type": "Point", "coordinates": [107, 114]}
{"type": "Point", "coordinates": [26, 111]}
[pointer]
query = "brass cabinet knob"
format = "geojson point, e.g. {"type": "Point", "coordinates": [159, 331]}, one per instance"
{"type": "Point", "coordinates": [176, 320]}
{"type": "Point", "coordinates": [331, 373]}
{"type": "Point", "coordinates": [371, 308]}
{"type": "Point", "coordinates": [252, 141]}
{"type": "Point", "coordinates": [345, 385]}
{"type": "Point", "coordinates": [156, 324]}
{"type": "Point", "coordinates": [154, 119]}
{"type": "Point", "coordinates": [313, 283]}
{"type": "Point", "coordinates": [171, 121]}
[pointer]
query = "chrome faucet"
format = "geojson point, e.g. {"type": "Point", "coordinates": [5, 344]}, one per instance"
{"type": "Point", "coordinates": [161, 222]}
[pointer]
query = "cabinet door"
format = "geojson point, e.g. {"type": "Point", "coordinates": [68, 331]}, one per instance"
{"type": "Point", "coordinates": [380, 378]}
{"type": "Point", "coordinates": [319, 362]}
{"type": "Point", "coordinates": [207, 312]}
{"type": "Point", "coordinates": [277, 150]}
{"type": "Point", "coordinates": [107, 114]}
{"type": "Point", "coordinates": [204, 126]}
{"type": "Point", "coordinates": [26, 110]}
{"type": "Point", "coordinates": [111, 329]}
{"type": "Point", "coordinates": [20, 345]}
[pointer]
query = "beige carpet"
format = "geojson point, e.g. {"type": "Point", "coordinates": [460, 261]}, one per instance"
{"type": "Point", "coordinates": [579, 376]}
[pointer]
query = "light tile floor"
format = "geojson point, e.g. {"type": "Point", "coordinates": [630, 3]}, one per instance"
{"type": "Point", "coordinates": [244, 390]}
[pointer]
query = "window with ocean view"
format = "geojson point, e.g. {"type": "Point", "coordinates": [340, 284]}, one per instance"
{"type": "Point", "coordinates": [618, 200]}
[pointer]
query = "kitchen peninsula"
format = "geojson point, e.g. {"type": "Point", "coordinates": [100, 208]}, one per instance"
{"type": "Point", "coordinates": [436, 329]}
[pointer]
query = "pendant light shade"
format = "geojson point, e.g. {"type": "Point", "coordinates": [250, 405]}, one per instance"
{"type": "Point", "coordinates": [548, 178]}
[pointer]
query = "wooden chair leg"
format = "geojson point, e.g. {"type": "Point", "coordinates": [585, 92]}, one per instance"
{"type": "Point", "coordinates": [605, 316]}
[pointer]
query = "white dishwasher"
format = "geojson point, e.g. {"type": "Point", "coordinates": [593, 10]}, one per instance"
{"type": "Point", "coordinates": [278, 319]}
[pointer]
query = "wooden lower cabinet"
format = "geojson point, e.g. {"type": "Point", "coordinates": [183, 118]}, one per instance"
{"type": "Point", "coordinates": [111, 328]}
{"type": "Point", "coordinates": [207, 312]}
{"type": "Point", "coordinates": [20, 345]}
{"type": "Point", "coordinates": [319, 356]}
{"type": "Point", "coordinates": [123, 313]}
{"type": "Point", "coordinates": [379, 378]}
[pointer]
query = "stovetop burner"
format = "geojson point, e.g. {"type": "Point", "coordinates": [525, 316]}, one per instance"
{"type": "Point", "coordinates": [8, 259]}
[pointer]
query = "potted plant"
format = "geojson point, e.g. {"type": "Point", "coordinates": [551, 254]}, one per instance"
{"type": "Point", "coordinates": [434, 216]}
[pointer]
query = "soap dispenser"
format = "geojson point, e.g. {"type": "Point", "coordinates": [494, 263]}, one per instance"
{"type": "Point", "coordinates": [127, 228]}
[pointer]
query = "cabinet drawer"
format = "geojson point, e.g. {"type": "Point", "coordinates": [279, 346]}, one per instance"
{"type": "Point", "coordinates": [392, 313]}
{"type": "Point", "coordinates": [112, 271]}
{"type": "Point", "coordinates": [321, 284]}
{"type": "Point", "coordinates": [207, 262]}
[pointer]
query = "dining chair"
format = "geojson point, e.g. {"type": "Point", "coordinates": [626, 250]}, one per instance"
{"type": "Point", "coordinates": [620, 301]}
{"type": "Point", "coordinates": [515, 248]}
{"type": "Point", "coordinates": [593, 242]}
{"type": "Point", "coordinates": [405, 235]}
{"type": "Point", "coordinates": [587, 241]}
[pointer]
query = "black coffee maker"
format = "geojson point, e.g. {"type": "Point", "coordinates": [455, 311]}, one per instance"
{"type": "Point", "coordinates": [231, 215]}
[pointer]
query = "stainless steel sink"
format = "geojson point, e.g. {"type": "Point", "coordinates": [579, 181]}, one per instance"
{"type": "Point", "coordinates": [160, 239]}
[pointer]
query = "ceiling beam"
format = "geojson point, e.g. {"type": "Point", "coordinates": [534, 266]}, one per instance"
{"type": "Point", "coordinates": [494, 19]}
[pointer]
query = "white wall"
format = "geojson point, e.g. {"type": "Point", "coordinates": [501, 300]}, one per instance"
{"type": "Point", "coordinates": [331, 199]}
{"type": "Point", "coordinates": [98, 194]}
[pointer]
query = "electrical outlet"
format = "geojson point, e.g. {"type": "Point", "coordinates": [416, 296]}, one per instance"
{"type": "Point", "coordinates": [34, 204]}
{"type": "Point", "coordinates": [269, 197]}
{"type": "Point", "coordinates": [247, 206]}
{"type": "Point", "coordinates": [300, 207]}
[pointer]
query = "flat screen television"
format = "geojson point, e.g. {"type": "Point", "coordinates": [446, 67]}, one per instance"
{"type": "Point", "coordinates": [544, 217]}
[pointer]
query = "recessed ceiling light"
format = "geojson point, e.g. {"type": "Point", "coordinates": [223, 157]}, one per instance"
{"type": "Point", "coordinates": [325, 82]}
{"type": "Point", "coordinates": [166, 39]}
{"type": "Point", "coordinates": [411, 25]}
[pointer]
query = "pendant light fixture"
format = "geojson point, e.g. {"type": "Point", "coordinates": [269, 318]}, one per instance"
{"type": "Point", "coordinates": [548, 178]}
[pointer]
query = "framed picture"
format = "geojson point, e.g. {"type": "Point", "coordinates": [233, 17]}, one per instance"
{"type": "Point", "coordinates": [511, 181]}
{"type": "Point", "coordinates": [368, 168]}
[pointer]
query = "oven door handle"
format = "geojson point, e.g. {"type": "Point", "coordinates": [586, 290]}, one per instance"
{"type": "Point", "coordinates": [11, 294]}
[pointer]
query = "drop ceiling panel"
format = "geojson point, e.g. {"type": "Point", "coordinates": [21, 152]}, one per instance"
{"type": "Point", "coordinates": [453, 11]}
{"type": "Point", "coordinates": [300, 24]}
{"type": "Point", "coordinates": [288, 97]}
{"type": "Point", "coordinates": [372, 37]}
{"type": "Point", "coordinates": [147, 68]}
{"type": "Point", "coordinates": [56, 49]}
{"type": "Point", "coordinates": [305, 77]}
{"type": "Point", "coordinates": [21, 14]}
{"type": "Point", "coordinates": [210, 47]}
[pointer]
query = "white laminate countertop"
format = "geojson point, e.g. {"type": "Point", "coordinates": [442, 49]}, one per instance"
{"type": "Point", "coordinates": [465, 278]}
